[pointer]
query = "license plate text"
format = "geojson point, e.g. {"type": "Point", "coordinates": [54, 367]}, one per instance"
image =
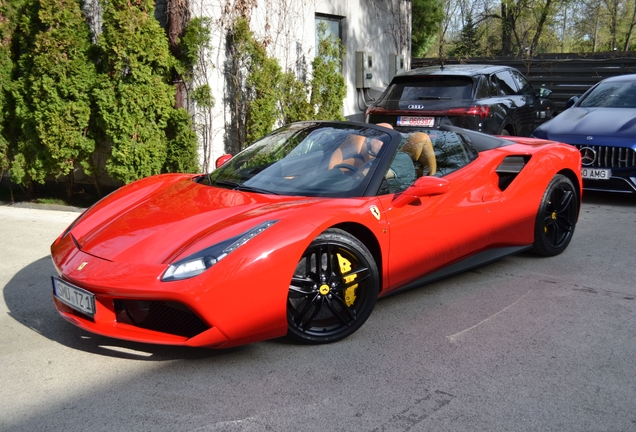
{"type": "Point", "coordinates": [416, 121]}
{"type": "Point", "coordinates": [77, 298]}
{"type": "Point", "coordinates": [596, 173]}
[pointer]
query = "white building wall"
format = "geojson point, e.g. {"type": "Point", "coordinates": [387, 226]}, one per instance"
{"type": "Point", "coordinates": [380, 27]}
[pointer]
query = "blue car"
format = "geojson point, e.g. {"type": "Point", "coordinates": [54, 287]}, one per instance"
{"type": "Point", "coordinates": [602, 125]}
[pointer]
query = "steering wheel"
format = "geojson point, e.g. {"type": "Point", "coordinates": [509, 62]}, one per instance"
{"type": "Point", "coordinates": [347, 167]}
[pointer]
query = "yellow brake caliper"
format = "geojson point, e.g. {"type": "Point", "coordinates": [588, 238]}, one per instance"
{"type": "Point", "coordinates": [553, 216]}
{"type": "Point", "coordinates": [345, 267]}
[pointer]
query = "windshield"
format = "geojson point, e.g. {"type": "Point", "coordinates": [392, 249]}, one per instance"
{"type": "Point", "coordinates": [612, 95]}
{"type": "Point", "coordinates": [307, 159]}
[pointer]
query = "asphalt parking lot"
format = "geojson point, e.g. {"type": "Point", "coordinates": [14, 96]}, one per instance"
{"type": "Point", "coordinates": [526, 343]}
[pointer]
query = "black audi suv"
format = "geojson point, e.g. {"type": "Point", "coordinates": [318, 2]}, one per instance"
{"type": "Point", "coordinates": [496, 100]}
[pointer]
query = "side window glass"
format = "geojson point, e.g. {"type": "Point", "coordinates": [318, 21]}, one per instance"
{"type": "Point", "coordinates": [523, 84]}
{"type": "Point", "coordinates": [402, 171]}
{"type": "Point", "coordinates": [412, 159]}
{"type": "Point", "coordinates": [506, 84]}
{"type": "Point", "coordinates": [482, 88]}
{"type": "Point", "coordinates": [493, 86]}
{"type": "Point", "coordinates": [451, 152]}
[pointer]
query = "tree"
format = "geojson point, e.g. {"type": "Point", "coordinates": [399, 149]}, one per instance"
{"type": "Point", "coordinates": [178, 17]}
{"type": "Point", "coordinates": [468, 43]}
{"type": "Point", "coordinates": [194, 46]}
{"type": "Point", "coordinates": [509, 13]}
{"type": "Point", "coordinates": [134, 95]}
{"type": "Point", "coordinates": [8, 13]}
{"type": "Point", "coordinates": [255, 78]}
{"type": "Point", "coordinates": [294, 104]}
{"type": "Point", "coordinates": [52, 93]}
{"type": "Point", "coordinates": [328, 87]}
{"type": "Point", "coordinates": [427, 16]}
{"type": "Point", "coordinates": [263, 96]}
{"type": "Point", "coordinates": [522, 23]}
{"type": "Point", "coordinates": [544, 12]}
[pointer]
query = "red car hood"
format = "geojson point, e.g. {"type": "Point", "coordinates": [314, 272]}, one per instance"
{"type": "Point", "coordinates": [159, 218]}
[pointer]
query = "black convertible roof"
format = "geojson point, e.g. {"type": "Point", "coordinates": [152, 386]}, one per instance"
{"type": "Point", "coordinates": [481, 142]}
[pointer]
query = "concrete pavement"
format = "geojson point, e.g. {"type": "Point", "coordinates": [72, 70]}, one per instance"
{"type": "Point", "coordinates": [524, 344]}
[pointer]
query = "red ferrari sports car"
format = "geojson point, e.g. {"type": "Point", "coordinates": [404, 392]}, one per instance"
{"type": "Point", "coordinates": [303, 231]}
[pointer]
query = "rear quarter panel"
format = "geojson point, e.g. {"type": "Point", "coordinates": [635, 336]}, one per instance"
{"type": "Point", "coordinates": [515, 208]}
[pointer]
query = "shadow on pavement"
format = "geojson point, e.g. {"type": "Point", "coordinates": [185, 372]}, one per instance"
{"type": "Point", "coordinates": [609, 198]}
{"type": "Point", "coordinates": [28, 296]}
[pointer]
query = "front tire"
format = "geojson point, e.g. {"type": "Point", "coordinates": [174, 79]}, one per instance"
{"type": "Point", "coordinates": [333, 290]}
{"type": "Point", "coordinates": [556, 218]}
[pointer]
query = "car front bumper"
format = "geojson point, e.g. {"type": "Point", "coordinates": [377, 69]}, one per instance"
{"type": "Point", "coordinates": [221, 308]}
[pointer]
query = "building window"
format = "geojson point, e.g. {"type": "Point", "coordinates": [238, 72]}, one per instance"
{"type": "Point", "coordinates": [332, 25]}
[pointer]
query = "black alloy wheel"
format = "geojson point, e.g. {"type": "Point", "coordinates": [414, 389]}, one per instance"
{"type": "Point", "coordinates": [557, 216]}
{"type": "Point", "coordinates": [333, 290]}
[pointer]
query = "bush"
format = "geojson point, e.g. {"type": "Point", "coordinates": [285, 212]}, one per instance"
{"type": "Point", "coordinates": [134, 97]}
{"type": "Point", "coordinates": [68, 104]}
{"type": "Point", "coordinates": [52, 93]}
{"type": "Point", "coordinates": [57, 110]}
{"type": "Point", "coordinates": [264, 96]}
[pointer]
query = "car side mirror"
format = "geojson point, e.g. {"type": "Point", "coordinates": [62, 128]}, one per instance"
{"type": "Point", "coordinates": [221, 160]}
{"type": "Point", "coordinates": [544, 92]}
{"type": "Point", "coordinates": [423, 187]}
{"type": "Point", "coordinates": [571, 101]}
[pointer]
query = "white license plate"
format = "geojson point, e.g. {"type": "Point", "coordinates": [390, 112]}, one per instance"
{"type": "Point", "coordinates": [77, 298]}
{"type": "Point", "coordinates": [416, 121]}
{"type": "Point", "coordinates": [596, 173]}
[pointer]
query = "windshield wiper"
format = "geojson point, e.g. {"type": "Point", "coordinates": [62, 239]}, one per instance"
{"type": "Point", "coordinates": [242, 187]}
{"type": "Point", "coordinates": [245, 188]}
{"type": "Point", "coordinates": [224, 183]}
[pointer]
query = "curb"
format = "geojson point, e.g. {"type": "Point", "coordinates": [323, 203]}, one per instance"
{"type": "Point", "coordinates": [38, 206]}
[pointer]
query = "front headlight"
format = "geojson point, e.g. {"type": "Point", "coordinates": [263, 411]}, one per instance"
{"type": "Point", "coordinates": [199, 262]}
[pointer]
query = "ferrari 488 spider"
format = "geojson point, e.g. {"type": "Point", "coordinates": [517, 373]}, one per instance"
{"type": "Point", "coordinates": [303, 231]}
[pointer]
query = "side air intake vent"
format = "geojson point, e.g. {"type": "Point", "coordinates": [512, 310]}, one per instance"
{"type": "Point", "coordinates": [509, 168]}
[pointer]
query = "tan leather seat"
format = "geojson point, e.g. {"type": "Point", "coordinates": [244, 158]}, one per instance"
{"type": "Point", "coordinates": [419, 147]}
{"type": "Point", "coordinates": [349, 152]}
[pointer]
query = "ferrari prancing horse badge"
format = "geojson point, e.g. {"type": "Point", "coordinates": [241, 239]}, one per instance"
{"type": "Point", "coordinates": [375, 212]}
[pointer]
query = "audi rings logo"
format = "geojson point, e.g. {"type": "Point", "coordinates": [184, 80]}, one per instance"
{"type": "Point", "coordinates": [416, 106]}
{"type": "Point", "coordinates": [588, 156]}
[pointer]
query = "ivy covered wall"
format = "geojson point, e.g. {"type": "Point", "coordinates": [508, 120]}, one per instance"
{"type": "Point", "coordinates": [305, 86]}
{"type": "Point", "coordinates": [122, 90]}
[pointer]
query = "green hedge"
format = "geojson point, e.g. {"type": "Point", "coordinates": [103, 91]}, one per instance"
{"type": "Point", "coordinates": [65, 100]}
{"type": "Point", "coordinates": [69, 99]}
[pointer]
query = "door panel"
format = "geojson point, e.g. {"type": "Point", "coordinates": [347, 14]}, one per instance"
{"type": "Point", "coordinates": [438, 230]}
{"type": "Point", "coordinates": [520, 109]}
{"type": "Point", "coordinates": [530, 111]}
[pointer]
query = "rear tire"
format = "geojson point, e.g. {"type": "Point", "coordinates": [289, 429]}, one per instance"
{"type": "Point", "coordinates": [556, 218]}
{"type": "Point", "coordinates": [333, 290]}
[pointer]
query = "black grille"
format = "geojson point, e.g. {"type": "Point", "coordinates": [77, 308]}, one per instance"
{"type": "Point", "coordinates": [611, 157]}
{"type": "Point", "coordinates": [162, 316]}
